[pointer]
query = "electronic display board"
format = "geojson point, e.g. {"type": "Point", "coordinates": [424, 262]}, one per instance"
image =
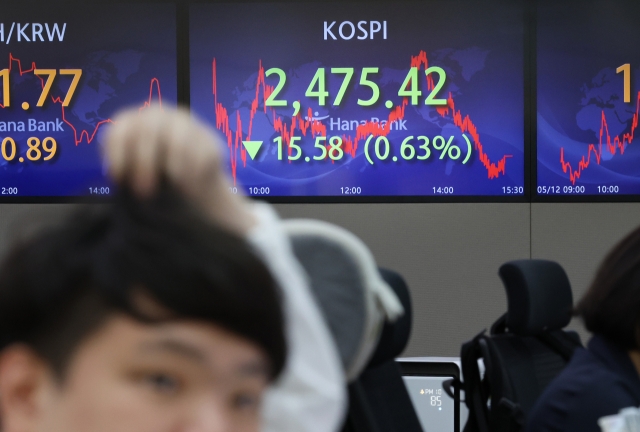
{"type": "Point", "coordinates": [65, 69]}
{"type": "Point", "coordinates": [390, 99]}
{"type": "Point", "coordinates": [434, 408]}
{"type": "Point", "coordinates": [588, 97]}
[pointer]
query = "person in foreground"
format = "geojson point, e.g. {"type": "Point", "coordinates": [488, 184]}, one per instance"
{"type": "Point", "coordinates": [605, 377]}
{"type": "Point", "coordinates": [170, 310]}
{"type": "Point", "coordinates": [138, 318]}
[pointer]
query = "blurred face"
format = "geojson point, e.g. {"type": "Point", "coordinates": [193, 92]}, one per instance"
{"type": "Point", "coordinates": [133, 377]}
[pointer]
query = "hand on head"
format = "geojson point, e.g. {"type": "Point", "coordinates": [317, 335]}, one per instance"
{"type": "Point", "coordinates": [143, 148]}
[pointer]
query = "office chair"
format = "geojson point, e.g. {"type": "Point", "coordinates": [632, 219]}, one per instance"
{"type": "Point", "coordinates": [368, 312]}
{"type": "Point", "coordinates": [378, 399]}
{"type": "Point", "coordinates": [352, 295]}
{"type": "Point", "coordinates": [526, 348]}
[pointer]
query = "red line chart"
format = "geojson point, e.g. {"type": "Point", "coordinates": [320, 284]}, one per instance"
{"type": "Point", "coordinates": [349, 143]}
{"type": "Point", "coordinates": [80, 135]}
{"type": "Point", "coordinates": [618, 143]}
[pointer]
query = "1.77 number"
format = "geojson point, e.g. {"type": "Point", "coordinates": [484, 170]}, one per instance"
{"type": "Point", "coordinates": [46, 87]}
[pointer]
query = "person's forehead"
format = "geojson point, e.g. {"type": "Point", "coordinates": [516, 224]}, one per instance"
{"type": "Point", "coordinates": [205, 345]}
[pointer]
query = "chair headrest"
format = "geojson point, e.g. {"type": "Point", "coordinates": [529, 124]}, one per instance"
{"type": "Point", "coordinates": [538, 294]}
{"type": "Point", "coordinates": [354, 299]}
{"type": "Point", "coordinates": [395, 335]}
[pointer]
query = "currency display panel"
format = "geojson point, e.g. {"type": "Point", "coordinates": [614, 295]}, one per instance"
{"type": "Point", "coordinates": [65, 70]}
{"type": "Point", "coordinates": [402, 99]}
{"type": "Point", "coordinates": [588, 98]}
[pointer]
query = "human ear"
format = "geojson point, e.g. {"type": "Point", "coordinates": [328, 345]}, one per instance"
{"type": "Point", "coordinates": [24, 379]}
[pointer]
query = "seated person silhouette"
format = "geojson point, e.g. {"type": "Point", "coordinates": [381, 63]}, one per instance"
{"type": "Point", "coordinates": [605, 377]}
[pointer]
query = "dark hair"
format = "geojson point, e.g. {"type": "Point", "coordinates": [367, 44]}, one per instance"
{"type": "Point", "coordinates": [611, 306]}
{"type": "Point", "coordinates": [63, 284]}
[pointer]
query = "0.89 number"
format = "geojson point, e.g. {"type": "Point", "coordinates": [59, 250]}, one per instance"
{"type": "Point", "coordinates": [9, 149]}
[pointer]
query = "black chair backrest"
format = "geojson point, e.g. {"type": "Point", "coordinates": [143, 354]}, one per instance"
{"type": "Point", "coordinates": [538, 294]}
{"type": "Point", "coordinates": [526, 348]}
{"type": "Point", "coordinates": [378, 399]}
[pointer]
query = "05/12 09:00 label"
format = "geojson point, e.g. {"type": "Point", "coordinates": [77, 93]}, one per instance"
{"type": "Point", "coordinates": [554, 190]}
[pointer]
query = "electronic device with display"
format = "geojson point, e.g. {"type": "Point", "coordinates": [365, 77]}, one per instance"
{"type": "Point", "coordinates": [424, 381]}
{"type": "Point", "coordinates": [441, 100]}
{"type": "Point", "coordinates": [588, 99]}
{"type": "Point", "coordinates": [65, 70]}
{"type": "Point", "coordinates": [395, 99]}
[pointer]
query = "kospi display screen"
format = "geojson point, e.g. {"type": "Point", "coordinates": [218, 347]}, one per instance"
{"type": "Point", "coordinates": [64, 71]}
{"type": "Point", "coordinates": [588, 97]}
{"type": "Point", "coordinates": [370, 99]}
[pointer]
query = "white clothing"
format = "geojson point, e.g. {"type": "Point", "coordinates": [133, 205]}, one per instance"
{"type": "Point", "coordinates": [310, 395]}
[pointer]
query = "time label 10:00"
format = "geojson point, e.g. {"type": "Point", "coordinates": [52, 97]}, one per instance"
{"type": "Point", "coordinates": [318, 86]}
